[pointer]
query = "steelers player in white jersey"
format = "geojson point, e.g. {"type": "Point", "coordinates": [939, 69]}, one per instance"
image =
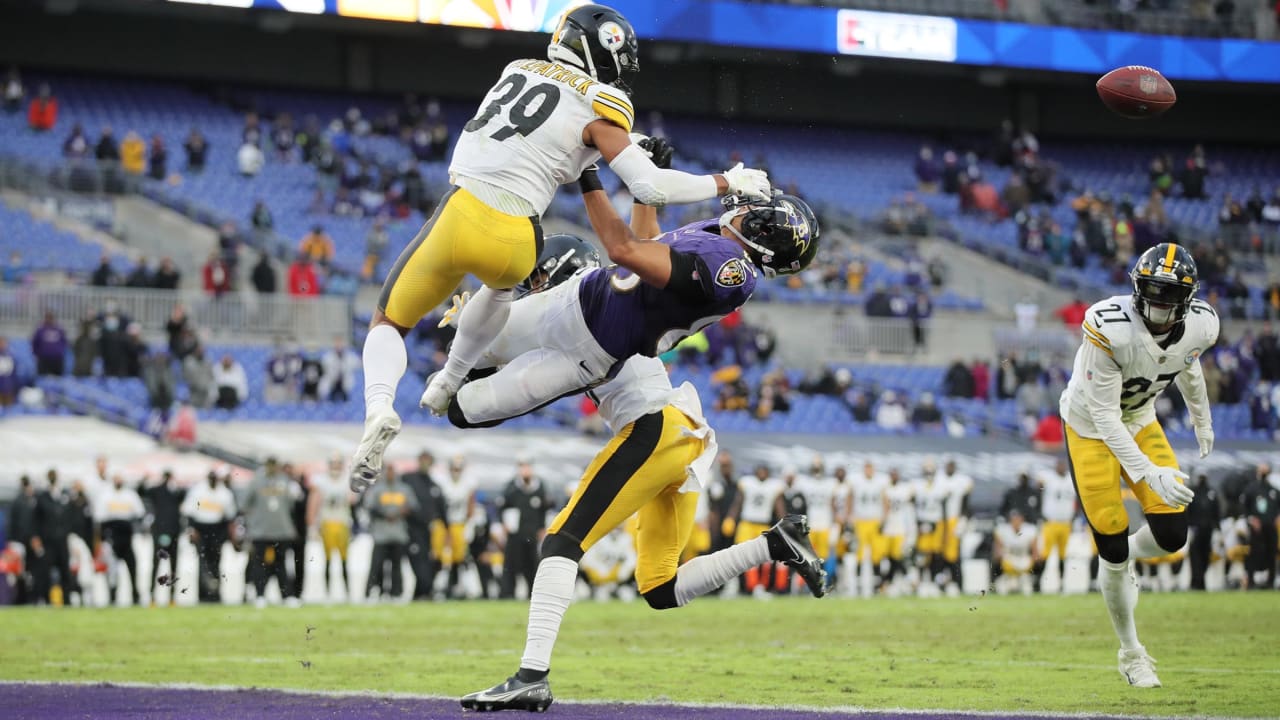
{"type": "Point", "coordinates": [539, 127]}
{"type": "Point", "coordinates": [898, 522]}
{"type": "Point", "coordinates": [656, 465]}
{"type": "Point", "coordinates": [868, 518]}
{"type": "Point", "coordinates": [459, 491]}
{"type": "Point", "coordinates": [329, 509]}
{"type": "Point", "coordinates": [1058, 511]}
{"type": "Point", "coordinates": [959, 486]}
{"type": "Point", "coordinates": [819, 494]}
{"type": "Point", "coordinates": [1134, 346]}
{"type": "Point", "coordinates": [930, 495]}
{"type": "Point", "coordinates": [1014, 547]}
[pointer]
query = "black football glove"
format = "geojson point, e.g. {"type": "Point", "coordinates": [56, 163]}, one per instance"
{"type": "Point", "coordinates": [660, 151]}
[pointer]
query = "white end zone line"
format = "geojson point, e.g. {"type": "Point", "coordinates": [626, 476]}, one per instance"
{"type": "Point", "coordinates": [839, 709]}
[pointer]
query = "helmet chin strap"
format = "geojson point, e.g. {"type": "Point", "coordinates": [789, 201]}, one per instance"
{"type": "Point", "coordinates": [726, 221]}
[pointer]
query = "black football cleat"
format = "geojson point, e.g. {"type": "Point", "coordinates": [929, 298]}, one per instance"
{"type": "Point", "coordinates": [789, 544]}
{"type": "Point", "coordinates": [514, 694]}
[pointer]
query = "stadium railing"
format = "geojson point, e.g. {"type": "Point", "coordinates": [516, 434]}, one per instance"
{"type": "Point", "coordinates": [860, 336]}
{"type": "Point", "coordinates": [243, 316]}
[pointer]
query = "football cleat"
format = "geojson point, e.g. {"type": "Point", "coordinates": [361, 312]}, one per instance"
{"type": "Point", "coordinates": [437, 395]}
{"type": "Point", "coordinates": [380, 429]}
{"type": "Point", "coordinates": [514, 694]}
{"type": "Point", "coordinates": [789, 544]}
{"type": "Point", "coordinates": [1138, 668]}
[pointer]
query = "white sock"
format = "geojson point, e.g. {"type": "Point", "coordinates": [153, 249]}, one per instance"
{"type": "Point", "coordinates": [385, 361]}
{"type": "Point", "coordinates": [1142, 544]}
{"type": "Point", "coordinates": [481, 320]}
{"type": "Point", "coordinates": [1121, 596]}
{"type": "Point", "coordinates": [705, 573]}
{"type": "Point", "coordinates": [548, 600]}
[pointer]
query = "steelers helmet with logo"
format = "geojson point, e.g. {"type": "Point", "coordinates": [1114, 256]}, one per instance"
{"type": "Point", "coordinates": [1165, 281]}
{"type": "Point", "coordinates": [781, 234]}
{"type": "Point", "coordinates": [599, 40]}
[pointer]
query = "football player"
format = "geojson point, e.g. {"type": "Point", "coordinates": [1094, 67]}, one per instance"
{"type": "Point", "coordinates": [659, 459]}
{"type": "Point", "coordinates": [329, 509]}
{"type": "Point", "coordinates": [930, 496]}
{"type": "Point", "coordinates": [819, 492]}
{"type": "Point", "coordinates": [1134, 346]}
{"type": "Point", "coordinates": [538, 127]}
{"type": "Point", "coordinates": [869, 506]}
{"type": "Point", "coordinates": [1015, 549]}
{"type": "Point", "coordinates": [897, 526]}
{"type": "Point", "coordinates": [459, 490]}
{"type": "Point", "coordinates": [1058, 506]}
{"type": "Point", "coordinates": [959, 486]}
{"type": "Point", "coordinates": [752, 512]}
{"type": "Point", "coordinates": [662, 290]}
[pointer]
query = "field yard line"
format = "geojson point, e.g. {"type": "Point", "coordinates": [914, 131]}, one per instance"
{"type": "Point", "coordinates": [841, 709]}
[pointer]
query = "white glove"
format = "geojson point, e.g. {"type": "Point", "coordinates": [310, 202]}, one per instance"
{"type": "Point", "coordinates": [1204, 436]}
{"type": "Point", "coordinates": [747, 181]}
{"type": "Point", "coordinates": [1166, 483]}
{"type": "Point", "coordinates": [451, 315]}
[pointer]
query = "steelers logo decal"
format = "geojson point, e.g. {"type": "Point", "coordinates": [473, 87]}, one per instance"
{"type": "Point", "coordinates": [733, 273]}
{"type": "Point", "coordinates": [611, 36]}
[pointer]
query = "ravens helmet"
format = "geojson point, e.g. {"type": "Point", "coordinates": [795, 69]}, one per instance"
{"type": "Point", "coordinates": [561, 257]}
{"type": "Point", "coordinates": [599, 40]}
{"type": "Point", "coordinates": [1165, 281]}
{"type": "Point", "coordinates": [781, 234]}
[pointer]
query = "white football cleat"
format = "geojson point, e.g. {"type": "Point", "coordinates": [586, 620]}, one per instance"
{"type": "Point", "coordinates": [437, 396]}
{"type": "Point", "coordinates": [380, 429]}
{"type": "Point", "coordinates": [1138, 668]}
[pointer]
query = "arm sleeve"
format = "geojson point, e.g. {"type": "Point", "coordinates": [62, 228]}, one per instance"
{"type": "Point", "coordinates": [1190, 383]}
{"type": "Point", "coordinates": [1103, 395]}
{"type": "Point", "coordinates": [690, 279]}
{"type": "Point", "coordinates": [652, 185]}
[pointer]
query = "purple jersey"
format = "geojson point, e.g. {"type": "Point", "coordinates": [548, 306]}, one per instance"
{"type": "Point", "coordinates": [711, 277]}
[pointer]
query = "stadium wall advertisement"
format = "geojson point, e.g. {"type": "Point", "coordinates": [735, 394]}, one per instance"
{"type": "Point", "coordinates": [854, 32]}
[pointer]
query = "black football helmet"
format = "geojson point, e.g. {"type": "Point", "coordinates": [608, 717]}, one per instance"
{"type": "Point", "coordinates": [561, 257]}
{"type": "Point", "coordinates": [781, 234]}
{"type": "Point", "coordinates": [599, 40]}
{"type": "Point", "coordinates": [1165, 281]}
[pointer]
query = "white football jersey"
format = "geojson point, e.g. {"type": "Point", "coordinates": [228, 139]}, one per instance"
{"type": "Point", "coordinates": [335, 500]}
{"type": "Point", "coordinates": [1117, 331]}
{"type": "Point", "coordinates": [931, 500]}
{"type": "Point", "coordinates": [868, 496]}
{"type": "Point", "coordinates": [457, 498]}
{"type": "Point", "coordinates": [758, 497]}
{"type": "Point", "coordinates": [1057, 496]}
{"type": "Point", "coordinates": [898, 520]}
{"type": "Point", "coordinates": [526, 138]}
{"type": "Point", "coordinates": [1017, 547]}
{"type": "Point", "coordinates": [818, 494]}
{"type": "Point", "coordinates": [958, 487]}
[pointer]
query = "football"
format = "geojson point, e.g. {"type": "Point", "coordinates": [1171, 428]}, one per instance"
{"type": "Point", "coordinates": [1136, 92]}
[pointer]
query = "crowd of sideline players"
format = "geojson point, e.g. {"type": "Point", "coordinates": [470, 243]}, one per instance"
{"type": "Point", "coordinates": [439, 532]}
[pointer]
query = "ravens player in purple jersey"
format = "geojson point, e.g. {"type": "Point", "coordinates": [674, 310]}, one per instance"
{"type": "Point", "coordinates": [661, 289]}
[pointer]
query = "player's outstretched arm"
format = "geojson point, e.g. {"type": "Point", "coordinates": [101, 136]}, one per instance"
{"type": "Point", "coordinates": [652, 185]}
{"type": "Point", "coordinates": [1190, 383]}
{"type": "Point", "coordinates": [650, 261]}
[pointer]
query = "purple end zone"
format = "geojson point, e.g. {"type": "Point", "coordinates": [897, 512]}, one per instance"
{"type": "Point", "coordinates": [65, 702]}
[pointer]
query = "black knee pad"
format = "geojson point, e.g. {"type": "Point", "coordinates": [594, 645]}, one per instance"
{"type": "Point", "coordinates": [663, 597]}
{"type": "Point", "coordinates": [1169, 530]}
{"type": "Point", "coordinates": [557, 545]}
{"type": "Point", "coordinates": [1112, 548]}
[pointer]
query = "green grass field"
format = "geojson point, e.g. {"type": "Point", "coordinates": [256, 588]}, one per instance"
{"type": "Point", "coordinates": [1219, 654]}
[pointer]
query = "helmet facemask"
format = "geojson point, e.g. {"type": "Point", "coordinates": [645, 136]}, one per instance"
{"type": "Point", "coordinates": [1162, 303]}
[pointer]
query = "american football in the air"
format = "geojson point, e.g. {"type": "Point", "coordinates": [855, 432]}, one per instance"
{"type": "Point", "coordinates": [1136, 92]}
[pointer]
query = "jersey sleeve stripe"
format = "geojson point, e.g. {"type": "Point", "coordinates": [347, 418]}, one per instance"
{"type": "Point", "coordinates": [612, 102]}
{"type": "Point", "coordinates": [618, 99]}
{"type": "Point", "coordinates": [1097, 336]}
{"type": "Point", "coordinates": [1101, 347]}
{"type": "Point", "coordinates": [612, 113]}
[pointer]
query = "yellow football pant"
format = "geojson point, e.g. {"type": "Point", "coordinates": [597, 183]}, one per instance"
{"type": "Point", "coordinates": [1055, 534]}
{"type": "Point", "coordinates": [457, 553]}
{"type": "Point", "coordinates": [335, 536]}
{"type": "Point", "coordinates": [869, 545]}
{"type": "Point", "coordinates": [1097, 474]}
{"type": "Point", "coordinates": [641, 469]}
{"type": "Point", "coordinates": [463, 236]}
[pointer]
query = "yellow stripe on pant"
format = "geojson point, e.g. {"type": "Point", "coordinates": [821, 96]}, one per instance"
{"type": "Point", "coordinates": [641, 469]}
{"type": "Point", "coordinates": [1097, 474]}
{"type": "Point", "coordinates": [464, 236]}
